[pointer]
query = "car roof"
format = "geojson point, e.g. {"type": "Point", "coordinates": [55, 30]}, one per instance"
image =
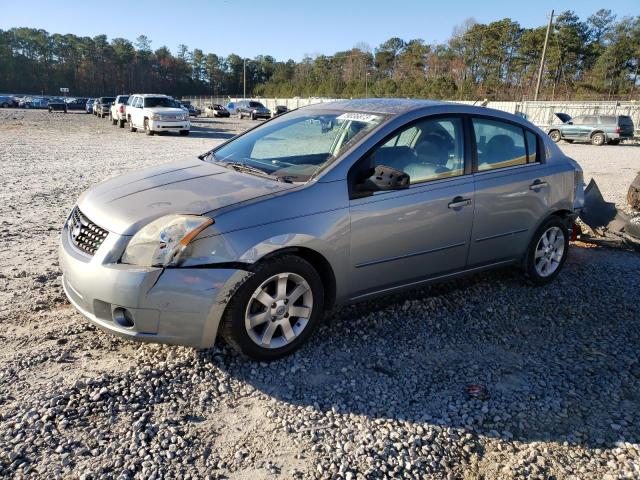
{"type": "Point", "coordinates": [393, 106]}
{"type": "Point", "coordinates": [143, 95]}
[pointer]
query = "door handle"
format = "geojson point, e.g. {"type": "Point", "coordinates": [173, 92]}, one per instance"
{"type": "Point", "coordinates": [459, 202]}
{"type": "Point", "coordinates": [538, 184]}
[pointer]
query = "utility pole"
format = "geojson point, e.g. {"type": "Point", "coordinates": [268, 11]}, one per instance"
{"type": "Point", "coordinates": [244, 78]}
{"type": "Point", "coordinates": [544, 52]}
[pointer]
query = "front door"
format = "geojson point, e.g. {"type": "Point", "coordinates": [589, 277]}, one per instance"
{"type": "Point", "coordinates": [403, 236]}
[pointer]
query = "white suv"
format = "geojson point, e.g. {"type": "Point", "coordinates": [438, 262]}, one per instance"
{"type": "Point", "coordinates": [117, 112]}
{"type": "Point", "coordinates": [156, 113]}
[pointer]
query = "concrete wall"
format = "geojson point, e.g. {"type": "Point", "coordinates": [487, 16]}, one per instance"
{"type": "Point", "coordinates": [539, 113]}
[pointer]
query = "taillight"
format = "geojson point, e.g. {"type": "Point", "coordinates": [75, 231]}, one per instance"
{"type": "Point", "coordinates": [617, 129]}
{"type": "Point", "coordinates": [121, 108]}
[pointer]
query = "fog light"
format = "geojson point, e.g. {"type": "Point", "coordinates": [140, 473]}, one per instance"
{"type": "Point", "coordinates": [123, 317]}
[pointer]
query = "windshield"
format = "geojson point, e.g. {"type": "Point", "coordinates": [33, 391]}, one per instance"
{"type": "Point", "coordinates": [107, 99]}
{"type": "Point", "coordinates": [294, 148]}
{"type": "Point", "coordinates": [150, 102]}
{"type": "Point", "coordinates": [255, 105]}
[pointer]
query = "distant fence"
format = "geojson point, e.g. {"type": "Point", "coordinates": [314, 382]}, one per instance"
{"type": "Point", "coordinates": [539, 113]}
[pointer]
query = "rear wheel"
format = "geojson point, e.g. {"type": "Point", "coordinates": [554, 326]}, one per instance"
{"type": "Point", "coordinates": [121, 123]}
{"type": "Point", "coordinates": [147, 129]}
{"type": "Point", "coordinates": [547, 252]}
{"type": "Point", "coordinates": [275, 310]}
{"type": "Point", "coordinates": [184, 133]}
{"type": "Point", "coordinates": [615, 141]}
{"type": "Point", "coordinates": [597, 139]}
{"type": "Point", "coordinates": [568, 140]}
{"type": "Point", "coordinates": [555, 135]}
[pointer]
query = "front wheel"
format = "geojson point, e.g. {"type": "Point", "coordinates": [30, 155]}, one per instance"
{"type": "Point", "coordinates": [547, 252]}
{"type": "Point", "coordinates": [147, 129]}
{"type": "Point", "coordinates": [131, 127]}
{"type": "Point", "coordinates": [597, 139]}
{"type": "Point", "coordinates": [275, 310]}
{"type": "Point", "coordinates": [114, 121]}
{"type": "Point", "coordinates": [555, 135]}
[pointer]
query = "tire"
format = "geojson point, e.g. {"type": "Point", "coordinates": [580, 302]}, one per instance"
{"type": "Point", "coordinates": [543, 262]}
{"type": "Point", "coordinates": [568, 140]}
{"type": "Point", "coordinates": [147, 130]}
{"type": "Point", "coordinates": [615, 141]}
{"type": "Point", "coordinates": [114, 121]}
{"type": "Point", "coordinates": [555, 135]}
{"type": "Point", "coordinates": [597, 139]}
{"type": "Point", "coordinates": [121, 123]}
{"type": "Point", "coordinates": [240, 115]}
{"type": "Point", "coordinates": [184, 133]}
{"type": "Point", "coordinates": [235, 327]}
{"type": "Point", "coordinates": [253, 117]}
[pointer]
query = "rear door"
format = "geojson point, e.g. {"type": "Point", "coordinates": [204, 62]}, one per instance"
{"type": "Point", "coordinates": [402, 236]}
{"type": "Point", "coordinates": [511, 190]}
{"type": "Point", "coordinates": [589, 124]}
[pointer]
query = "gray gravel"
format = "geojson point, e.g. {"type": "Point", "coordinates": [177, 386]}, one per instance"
{"type": "Point", "coordinates": [379, 392]}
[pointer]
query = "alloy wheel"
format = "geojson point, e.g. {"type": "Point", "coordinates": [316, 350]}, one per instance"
{"type": "Point", "coordinates": [279, 310]}
{"type": "Point", "coordinates": [549, 251]}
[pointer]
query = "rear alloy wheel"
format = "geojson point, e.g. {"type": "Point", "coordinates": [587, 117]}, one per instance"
{"type": "Point", "coordinates": [555, 135]}
{"type": "Point", "coordinates": [547, 251]}
{"type": "Point", "coordinates": [147, 129]}
{"type": "Point", "coordinates": [597, 139]}
{"type": "Point", "coordinates": [275, 310]}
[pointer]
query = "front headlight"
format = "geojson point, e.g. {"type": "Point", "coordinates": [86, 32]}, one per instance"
{"type": "Point", "coordinates": [161, 242]}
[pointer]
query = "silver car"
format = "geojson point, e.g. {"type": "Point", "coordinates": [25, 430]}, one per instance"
{"type": "Point", "coordinates": [321, 206]}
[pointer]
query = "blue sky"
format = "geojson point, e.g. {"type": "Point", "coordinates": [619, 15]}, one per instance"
{"type": "Point", "coordinates": [284, 28]}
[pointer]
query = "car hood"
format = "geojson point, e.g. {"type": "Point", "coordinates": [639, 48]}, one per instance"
{"type": "Point", "coordinates": [166, 109]}
{"type": "Point", "coordinates": [564, 118]}
{"type": "Point", "coordinates": [126, 203]}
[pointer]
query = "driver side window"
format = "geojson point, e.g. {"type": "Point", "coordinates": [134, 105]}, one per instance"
{"type": "Point", "coordinates": [429, 149]}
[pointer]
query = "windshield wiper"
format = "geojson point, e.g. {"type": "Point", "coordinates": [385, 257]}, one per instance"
{"type": "Point", "coordinates": [244, 168]}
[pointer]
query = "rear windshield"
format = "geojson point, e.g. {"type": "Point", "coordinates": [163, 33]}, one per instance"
{"type": "Point", "coordinates": [625, 121]}
{"type": "Point", "coordinates": [123, 99]}
{"type": "Point", "coordinates": [150, 102]}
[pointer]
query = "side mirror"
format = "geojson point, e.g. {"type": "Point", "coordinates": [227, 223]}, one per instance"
{"type": "Point", "coordinates": [569, 123]}
{"type": "Point", "coordinates": [384, 178]}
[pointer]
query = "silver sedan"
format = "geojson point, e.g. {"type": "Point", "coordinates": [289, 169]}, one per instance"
{"type": "Point", "coordinates": [322, 206]}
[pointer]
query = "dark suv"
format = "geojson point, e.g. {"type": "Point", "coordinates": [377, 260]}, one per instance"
{"type": "Point", "coordinates": [104, 104]}
{"type": "Point", "coordinates": [597, 129]}
{"type": "Point", "coordinates": [252, 109]}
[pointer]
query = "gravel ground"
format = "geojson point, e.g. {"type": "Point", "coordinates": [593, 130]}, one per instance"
{"type": "Point", "coordinates": [378, 392]}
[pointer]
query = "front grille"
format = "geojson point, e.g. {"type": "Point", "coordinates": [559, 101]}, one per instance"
{"type": "Point", "coordinates": [85, 234]}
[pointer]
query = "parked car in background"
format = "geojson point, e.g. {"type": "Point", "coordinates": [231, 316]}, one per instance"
{"type": "Point", "coordinates": [34, 102]}
{"type": "Point", "coordinates": [89, 105]}
{"type": "Point", "coordinates": [157, 113]}
{"type": "Point", "coordinates": [57, 105]}
{"type": "Point", "coordinates": [279, 110]}
{"type": "Point", "coordinates": [597, 129]}
{"type": "Point", "coordinates": [232, 108]}
{"type": "Point", "coordinates": [252, 109]}
{"type": "Point", "coordinates": [118, 110]}
{"type": "Point", "coordinates": [96, 106]}
{"type": "Point", "coordinates": [327, 205]}
{"type": "Point", "coordinates": [76, 103]}
{"type": "Point", "coordinates": [8, 102]}
{"type": "Point", "coordinates": [103, 106]}
{"type": "Point", "coordinates": [216, 110]}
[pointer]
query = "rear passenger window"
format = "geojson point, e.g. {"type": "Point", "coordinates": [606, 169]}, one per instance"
{"type": "Point", "coordinates": [532, 146]}
{"type": "Point", "coordinates": [499, 144]}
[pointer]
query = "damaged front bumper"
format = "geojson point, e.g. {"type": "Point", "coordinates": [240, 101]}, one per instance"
{"type": "Point", "coordinates": [179, 306]}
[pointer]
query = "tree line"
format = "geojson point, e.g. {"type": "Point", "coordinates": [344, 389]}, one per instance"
{"type": "Point", "coordinates": [595, 58]}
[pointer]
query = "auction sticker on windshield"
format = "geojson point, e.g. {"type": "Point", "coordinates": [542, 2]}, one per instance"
{"type": "Point", "coordinates": [359, 117]}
